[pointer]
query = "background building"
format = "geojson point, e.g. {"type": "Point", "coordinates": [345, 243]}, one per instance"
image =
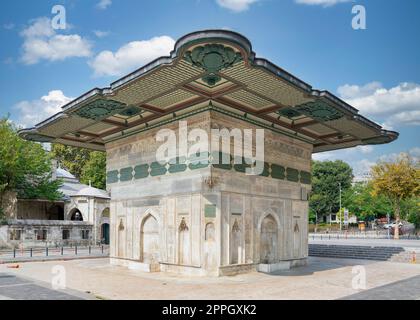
{"type": "Point", "coordinates": [80, 217]}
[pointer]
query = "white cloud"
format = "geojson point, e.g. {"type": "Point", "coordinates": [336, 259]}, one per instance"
{"type": "Point", "coordinates": [324, 3]}
{"type": "Point", "coordinates": [343, 154]}
{"type": "Point", "coordinates": [413, 153]}
{"type": "Point", "coordinates": [32, 112]}
{"type": "Point", "coordinates": [131, 56]}
{"type": "Point", "coordinates": [361, 168]}
{"type": "Point", "coordinates": [399, 105]}
{"type": "Point", "coordinates": [101, 34]}
{"type": "Point", "coordinates": [103, 4]}
{"type": "Point", "coordinates": [41, 42]}
{"type": "Point", "coordinates": [236, 5]}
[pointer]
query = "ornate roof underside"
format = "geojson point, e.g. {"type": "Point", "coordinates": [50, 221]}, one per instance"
{"type": "Point", "coordinates": [213, 69]}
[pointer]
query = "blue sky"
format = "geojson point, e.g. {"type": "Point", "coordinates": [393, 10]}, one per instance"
{"type": "Point", "coordinates": [377, 70]}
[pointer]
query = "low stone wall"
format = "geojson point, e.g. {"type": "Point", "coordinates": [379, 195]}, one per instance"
{"type": "Point", "coordinates": [41, 233]}
{"type": "Point", "coordinates": [236, 269]}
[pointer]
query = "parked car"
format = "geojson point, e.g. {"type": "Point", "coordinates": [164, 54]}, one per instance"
{"type": "Point", "coordinates": [391, 225]}
{"type": "Point", "coordinates": [404, 229]}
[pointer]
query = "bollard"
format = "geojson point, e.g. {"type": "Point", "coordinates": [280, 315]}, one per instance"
{"type": "Point", "coordinates": [102, 249]}
{"type": "Point", "coordinates": [62, 251]}
{"type": "Point", "coordinates": [46, 251]}
{"type": "Point", "coordinates": [75, 250]}
{"type": "Point", "coordinates": [90, 250]}
{"type": "Point", "coordinates": [14, 252]}
{"type": "Point", "coordinates": [30, 252]}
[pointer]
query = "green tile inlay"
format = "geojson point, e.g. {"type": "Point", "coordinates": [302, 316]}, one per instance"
{"type": "Point", "coordinates": [277, 172]}
{"type": "Point", "coordinates": [177, 165]}
{"type": "Point", "coordinates": [141, 171]}
{"type": "Point", "coordinates": [241, 167]}
{"type": "Point", "coordinates": [157, 169]}
{"type": "Point", "coordinates": [112, 176]}
{"type": "Point", "coordinates": [224, 161]}
{"type": "Point", "coordinates": [292, 175]}
{"type": "Point", "coordinates": [199, 161]}
{"type": "Point", "coordinates": [266, 172]}
{"type": "Point", "coordinates": [210, 211]}
{"type": "Point", "coordinates": [126, 174]}
{"type": "Point", "coordinates": [305, 177]}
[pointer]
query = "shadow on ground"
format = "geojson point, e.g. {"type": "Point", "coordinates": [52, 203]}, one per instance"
{"type": "Point", "coordinates": [318, 265]}
{"type": "Point", "coordinates": [407, 289]}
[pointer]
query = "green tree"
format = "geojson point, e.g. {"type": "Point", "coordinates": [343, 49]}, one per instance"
{"type": "Point", "coordinates": [399, 181]}
{"type": "Point", "coordinates": [359, 201]}
{"type": "Point", "coordinates": [87, 166]}
{"type": "Point", "coordinates": [326, 177]}
{"type": "Point", "coordinates": [94, 170]}
{"type": "Point", "coordinates": [25, 167]}
{"type": "Point", "coordinates": [71, 158]}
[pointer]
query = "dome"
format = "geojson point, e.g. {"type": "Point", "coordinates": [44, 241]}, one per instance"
{"type": "Point", "coordinates": [61, 173]}
{"type": "Point", "coordinates": [92, 192]}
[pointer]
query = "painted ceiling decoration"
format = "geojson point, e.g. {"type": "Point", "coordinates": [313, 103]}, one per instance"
{"type": "Point", "coordinates": [210, 71]}
{"type": "Point", "coordinates": [289, 113]}
{"type": "Point", "coordinates": [212, 58]}
{"type": "Point", "coordinates": [100, 109]}
{"type": "Point", "coordinates": [320, 111]}
{"type": "Point", "coordinates": [131, 111]}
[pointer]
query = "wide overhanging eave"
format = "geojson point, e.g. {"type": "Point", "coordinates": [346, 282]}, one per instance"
{"type": "Point", "coordinates": [90, 130]}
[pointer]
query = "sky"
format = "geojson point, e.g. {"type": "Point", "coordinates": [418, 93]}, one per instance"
{"type": "Point", "coordinates": [45, 63]}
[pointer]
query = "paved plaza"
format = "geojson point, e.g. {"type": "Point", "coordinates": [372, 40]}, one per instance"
{"type": "Point", "coordinates": [323, 278]}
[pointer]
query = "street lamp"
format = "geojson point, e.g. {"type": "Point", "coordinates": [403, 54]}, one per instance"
{"type": "Point", "coordinates": [339, 184]}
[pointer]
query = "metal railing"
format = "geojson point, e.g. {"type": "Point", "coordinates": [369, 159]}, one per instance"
{"type": "Point", "coordinates": [51, 252]}
{"type": "Point", "coordinates": [360, 235]}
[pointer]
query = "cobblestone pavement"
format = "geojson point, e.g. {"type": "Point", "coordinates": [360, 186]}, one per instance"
{"type": "Point", "coordinates": [323, 278]}
{"type": "Point", "coordinates": [17, 288]}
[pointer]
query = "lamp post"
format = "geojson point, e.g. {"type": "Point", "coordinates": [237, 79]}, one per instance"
{"type": "Point", "coordinates": [339, 184]}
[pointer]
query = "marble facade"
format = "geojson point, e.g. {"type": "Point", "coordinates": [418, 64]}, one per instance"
{"type": "Point", "coordinates": [208, 221]}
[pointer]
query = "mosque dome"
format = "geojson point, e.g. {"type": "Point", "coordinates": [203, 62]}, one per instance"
{"type": "Point", "coordinates": [92, 192]}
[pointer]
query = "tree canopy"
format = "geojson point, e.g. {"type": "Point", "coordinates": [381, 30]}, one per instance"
{"type": "Point", "coordinates": [360, 201]}
{"type": "Point", "coordinates": [25, 167]}
{"type": "Point", "coordinates": [87, 166]}
{"type": "Point", "coordinates": [399, 181]}
{"type": "Point", "coordinates": [326, 177]}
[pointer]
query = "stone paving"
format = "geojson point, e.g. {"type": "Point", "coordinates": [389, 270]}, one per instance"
{"type": "Point", "coordinates": [17, 288]}
{"type": "Point", "coordinates": [323, 278]}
